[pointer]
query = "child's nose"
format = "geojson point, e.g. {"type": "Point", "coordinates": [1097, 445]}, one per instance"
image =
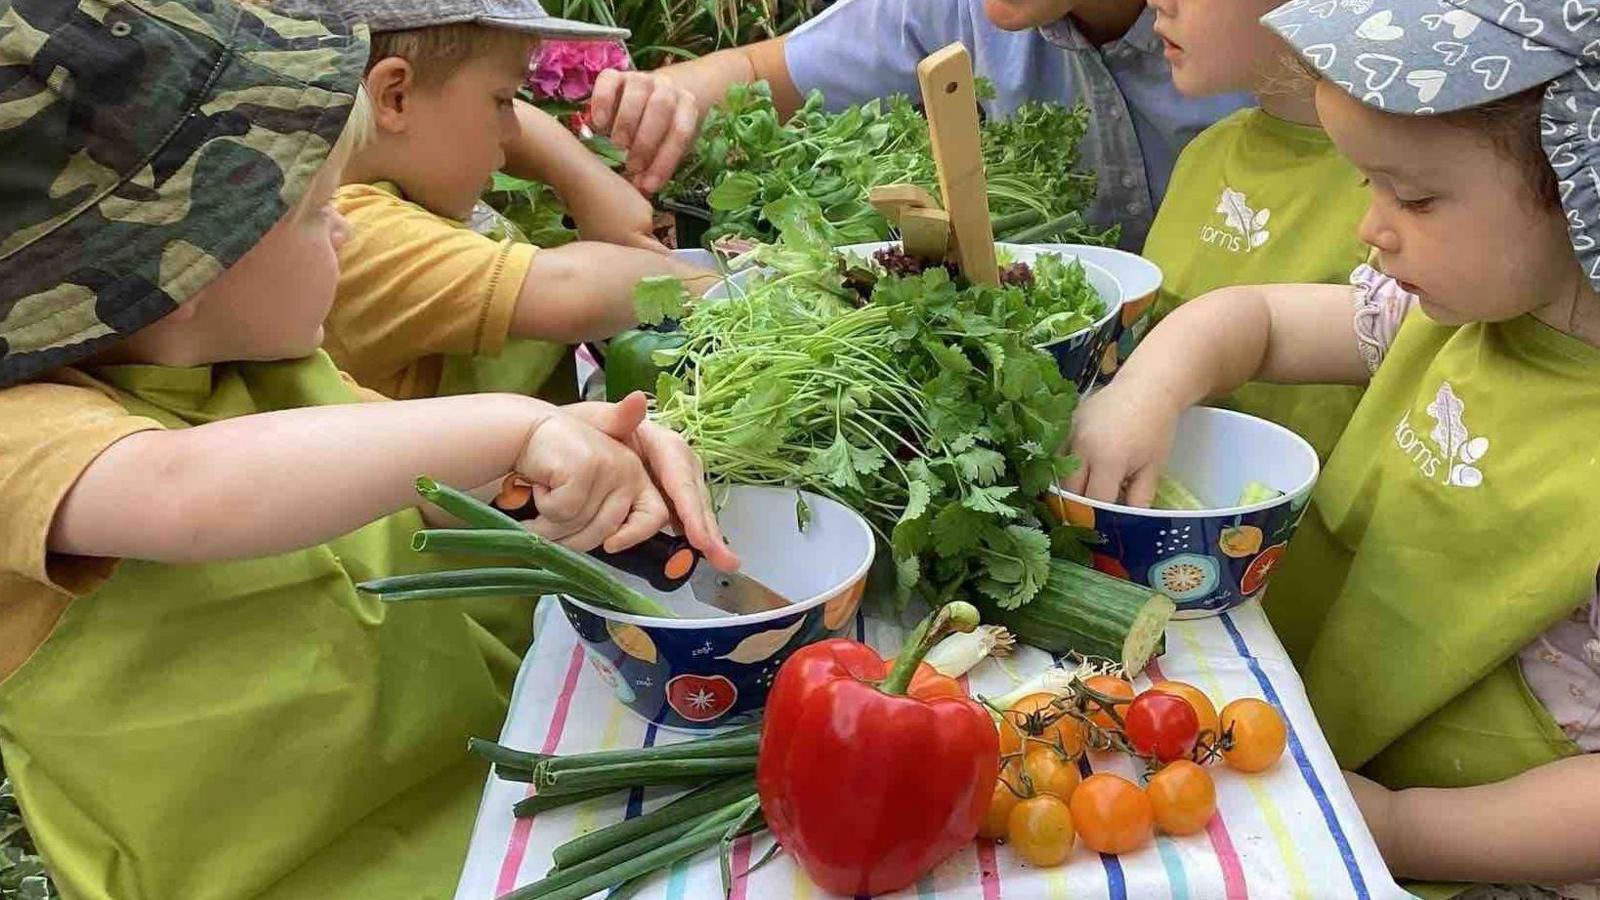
{"type": "Point", "coordinates": [1375, 230]}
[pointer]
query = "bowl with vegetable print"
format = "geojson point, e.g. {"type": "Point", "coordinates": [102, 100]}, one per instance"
{"type": "Point", "coordinates": [1230, 498]}
{"type": "Point", "coordinates": [708, 669]}
{"type": "Point", "coordinates": [1078, 300]}
{"type": "Point", "coordinates": [1141, 282]}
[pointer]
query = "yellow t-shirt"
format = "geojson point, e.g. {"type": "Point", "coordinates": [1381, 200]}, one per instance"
{"type": "Point", "coordinates": [422, 299]}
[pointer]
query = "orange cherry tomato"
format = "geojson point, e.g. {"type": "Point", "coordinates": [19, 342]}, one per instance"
{"type": "Point", "coordinates": [1034, 722]}
{"type": "Point", "coordinates": [1111, 686]}
{"type": "Point", "coordinates": [1254, 735]}
{"type": "Point", "coordinates": [998, 817]}
{"type": "Point", "coordinates": [1050, 772]}
{"type": "Point", "coordinates": [1204, 710]}
{"type": "Point", "coordinates": [1112, 814]}
{"type": "Point", "coordinates": [1040, 830]}
{"type": "Point", "coordinates": [1182, 797]}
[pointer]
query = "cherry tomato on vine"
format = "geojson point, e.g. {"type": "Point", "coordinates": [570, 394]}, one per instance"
{"type": "Point", "coordinates": [1040, 830]}
{"type": "Point", "coordinates": [1182, 797]}
{"type": "Point", "coordinates": [1035, 716]}
{"type": "Point", "coordinates": [1112, 814]}
{"type": "Point", "coordinates": [1161, 725]}
{"type": "Point", "coordinates": [1253, 735]}
{"type": "Point", "coordinates": [1111, 686]}
{"type": "Point", "coordinates": [1203, 708]}
{"type": "Point", "coordinates": [1049, 772]}
{"type": "Point", "coordinates": [998, 817]}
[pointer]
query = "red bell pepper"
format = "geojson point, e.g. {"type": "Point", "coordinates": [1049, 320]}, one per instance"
{"type": "Point", "coordinates": [868, 785]}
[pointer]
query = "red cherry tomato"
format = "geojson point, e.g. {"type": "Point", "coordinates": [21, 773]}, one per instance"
{"type": "Point", "coordinates": [1162, 725]}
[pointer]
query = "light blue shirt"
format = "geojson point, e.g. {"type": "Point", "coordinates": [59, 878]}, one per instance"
{"type": "Point", "coordinates": [860, 49]}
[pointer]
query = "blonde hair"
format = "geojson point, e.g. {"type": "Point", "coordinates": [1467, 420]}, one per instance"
{"type": "Point", "coordinates": [437, 51]}
{"type": "Point", "coordinates": [359, 131]}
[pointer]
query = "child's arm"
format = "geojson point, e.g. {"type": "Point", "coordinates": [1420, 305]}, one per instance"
{"type": "Point", "coordinates": [1205, 348]}
{"type": "Point", "coordinates": [656, 115]}
{"type": "Point", "coordinates": [1541, 827]}
{"type": "Point", "coordinates": [281, 481]}
{"type": "Point", "coordinates": [584, 291]}
{"type": "Point", "coordinates": [604, 205]}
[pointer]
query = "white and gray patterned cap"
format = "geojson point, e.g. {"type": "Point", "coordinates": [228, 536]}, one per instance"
{"type": "Point", "coordinates": [1425, 57]}
{"type": "Point", "coordinates": [518, 15]}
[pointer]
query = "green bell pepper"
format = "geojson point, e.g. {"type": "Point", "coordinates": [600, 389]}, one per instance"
{"type": "Point", "coordinates": [629, 366]}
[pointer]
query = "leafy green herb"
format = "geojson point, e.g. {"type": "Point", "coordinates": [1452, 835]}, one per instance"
{"type": "Point", "coordinates": [920, 401]}
{"type": "Point", "coordinates": [22, 872]}
{"type": "Point", "coordinates": [660, 297]}
{"type": "Point", "coordinates": [532, 209]}
{"type": "Point", "coordinates": [757, 175]}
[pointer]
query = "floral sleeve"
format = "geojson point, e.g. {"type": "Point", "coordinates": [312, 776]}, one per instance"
{"type": "Point", "coordinates": [1381, 305]}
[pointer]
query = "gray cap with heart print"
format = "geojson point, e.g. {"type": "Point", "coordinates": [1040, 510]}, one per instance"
{"type": "Point", "coordinates": [1423, 57]}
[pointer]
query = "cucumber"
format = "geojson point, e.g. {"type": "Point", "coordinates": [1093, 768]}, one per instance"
{"type": "Point", "coordinates": [1174, 494]}
{"type": "Point", "coordinates": [1256, 492]}
{"type": "Point", "coordinates": [1087, 612]}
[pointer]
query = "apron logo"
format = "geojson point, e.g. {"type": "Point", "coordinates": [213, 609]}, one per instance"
{"type": "Point", "coordinates": [1243, 229]}
{"type": "Point", "coordinates": [1448, 448]}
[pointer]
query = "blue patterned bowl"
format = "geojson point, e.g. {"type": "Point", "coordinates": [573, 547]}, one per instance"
{"type": "Point", "coordinates": [1141, 283]}
{"type": "Point", "coordinates": [1211, 560]}
{"type": "Point", "coordinates": [711, 673]}
{"type": "Point", "coordinates": [1078, 354]}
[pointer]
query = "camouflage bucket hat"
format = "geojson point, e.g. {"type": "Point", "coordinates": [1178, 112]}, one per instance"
{"type": "Point", "coordinates": [147, 145]}
{"type": "Point", "coordinates": [1428, 57]}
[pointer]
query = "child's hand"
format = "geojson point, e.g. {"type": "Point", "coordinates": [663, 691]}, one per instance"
{"type": "Point", "coordinates": [1123, 436]}
{"type": "Point", "coordinates": [673, 466]}
{"type": "Point", "coordinates": [653, 119]}
{"type": "Point", "coordinates": [591, 490]}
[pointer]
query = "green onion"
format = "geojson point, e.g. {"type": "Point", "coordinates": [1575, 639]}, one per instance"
{"type": "Point", "coordinates": [695, 803]}
{"type": "Point", "coordinates": [959, 653]}
{"type": "Point", "coordinates": [504, 756]}
{"type": "Point", "coordinates": [528, 807]}
{"type": "Point", "coordinates": [705, 834]}
{"type": "Point", "coordinates": [675, 771]}
{"type": "Point", "coordinates": [464, 506]}
{"type": "Point", "coordinates": [584, 579]}
{"type": "Point", "coordinates": [561, 877]}
{"type": "Point", "coordinates": [1072, 221]}
{"type": "Point", "coordinates": [486, 582]}
{"type": "Point", "coordinates": [1005, 225]}
{"type": "Point", "coordinates": [736, 745]}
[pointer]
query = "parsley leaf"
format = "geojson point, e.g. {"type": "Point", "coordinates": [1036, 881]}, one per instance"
{"type": "Point", "coordinates": [658, 298]}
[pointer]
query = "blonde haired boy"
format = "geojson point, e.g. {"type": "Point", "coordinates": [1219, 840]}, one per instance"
{"type": "Point", "coordinates": [195, 700]}
{"type": "Point", "coordinates": [427, 306]}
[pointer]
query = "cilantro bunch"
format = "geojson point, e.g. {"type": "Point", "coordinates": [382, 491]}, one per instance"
{"type": "Point", "coordinates": [746, 159]}
{"type": "Point", "coordinates": [919, 401]}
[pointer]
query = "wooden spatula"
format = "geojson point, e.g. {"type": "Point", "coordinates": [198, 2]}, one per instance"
{"type": "Point", "coordinates": [952, 109]}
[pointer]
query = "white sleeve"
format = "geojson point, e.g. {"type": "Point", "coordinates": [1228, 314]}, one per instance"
{"type": "Point", "coordinates": [1381, 306]}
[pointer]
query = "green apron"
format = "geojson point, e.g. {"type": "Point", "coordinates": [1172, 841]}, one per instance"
{"type": "Point", "coordinates": [1451, 527]}
{"type": "Point", "coordinates": [254, 728]}
{"type": "Point", "coordinates": [1259, 200]}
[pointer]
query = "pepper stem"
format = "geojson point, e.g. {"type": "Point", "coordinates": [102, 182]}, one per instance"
{"type": "Point", "coordinates": [957, 616]}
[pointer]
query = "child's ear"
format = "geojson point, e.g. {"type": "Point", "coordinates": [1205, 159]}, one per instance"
{"type": "Point", "coordinates": [389, 83]}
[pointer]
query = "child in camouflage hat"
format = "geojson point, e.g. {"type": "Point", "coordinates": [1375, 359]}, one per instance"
{"type": "Point", "coordinates": [427, 306]}
{"type": "Point", "coordinates": [195, 701]}
{"type": "Point", "coordinates": [1439, 598]}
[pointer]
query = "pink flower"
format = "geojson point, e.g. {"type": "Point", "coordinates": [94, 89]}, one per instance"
{"type": "Point", "coordinates": [566, 70]}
